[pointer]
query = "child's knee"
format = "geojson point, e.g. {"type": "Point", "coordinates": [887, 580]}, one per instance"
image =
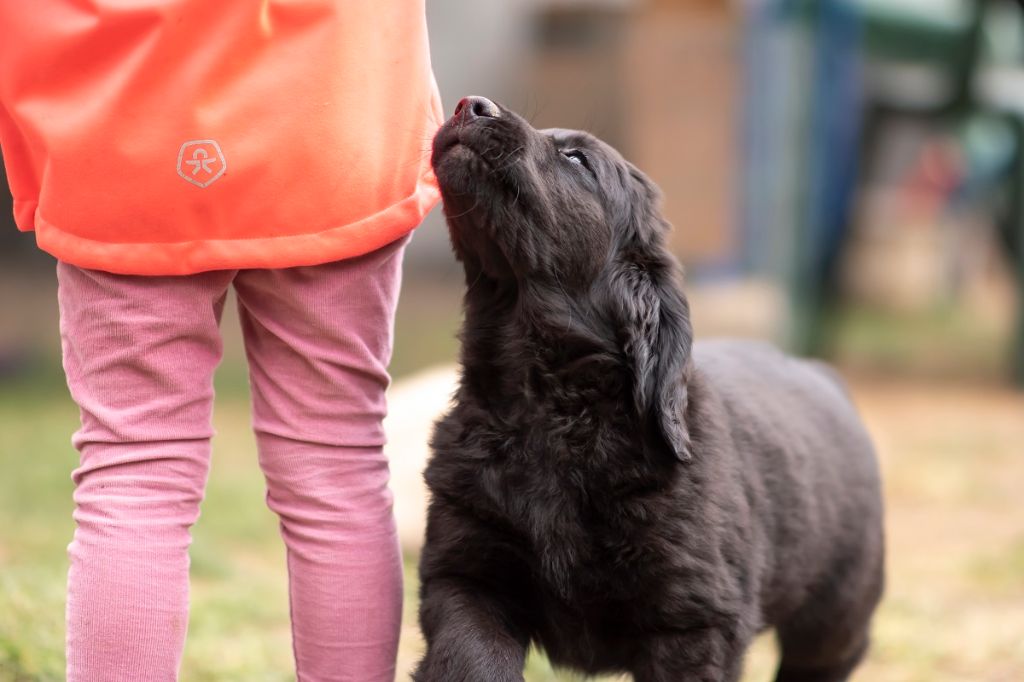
{"type": "Point", "coordinates": [329, 490]}
{"type": "Point", "coordinates": [141, 490]}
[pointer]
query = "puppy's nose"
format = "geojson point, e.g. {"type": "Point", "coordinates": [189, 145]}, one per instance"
{"type": "Point", "coordinates": [477, 107]}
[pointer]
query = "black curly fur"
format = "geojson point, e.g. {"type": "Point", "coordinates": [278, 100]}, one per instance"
{"type": "Point", "coordinates": [600, 488]}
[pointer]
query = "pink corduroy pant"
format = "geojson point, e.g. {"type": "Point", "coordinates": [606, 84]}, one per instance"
{"type": "Point", "coordinates": [139, 354]}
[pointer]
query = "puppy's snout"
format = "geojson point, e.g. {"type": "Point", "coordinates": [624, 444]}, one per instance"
{"type": "Point", "coordinates": [476, 107]}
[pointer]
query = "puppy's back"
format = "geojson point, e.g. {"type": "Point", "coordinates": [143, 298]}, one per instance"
{"type": "Point", "coordinates": [807, 462]}
{"type": "Point", "coordinates": [783, 396]}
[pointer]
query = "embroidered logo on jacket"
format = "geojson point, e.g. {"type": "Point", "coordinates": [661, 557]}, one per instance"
{"type": "Point", "coordinates": [201, 162]}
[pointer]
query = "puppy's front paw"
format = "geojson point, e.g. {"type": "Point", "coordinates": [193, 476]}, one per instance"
{"type": "Point", "coordinates": [435, 669]}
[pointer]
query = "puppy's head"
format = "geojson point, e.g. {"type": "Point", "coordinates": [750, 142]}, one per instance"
{"type": "Point", "coordinates": [561, 216]}
{"type": "Point", "coordinates": [533, 203]}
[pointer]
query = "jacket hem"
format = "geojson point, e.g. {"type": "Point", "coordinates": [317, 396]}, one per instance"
{"type": "Point", "coordinates": [190, 257]}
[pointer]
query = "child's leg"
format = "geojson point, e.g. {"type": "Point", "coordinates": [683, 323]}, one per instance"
{"type": "Point", "coordinates": [139, 353]}
{"type": "Point", "coordinates": [319, 341]}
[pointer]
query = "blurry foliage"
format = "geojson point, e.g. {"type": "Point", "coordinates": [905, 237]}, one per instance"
{"type": "Point", "coordinates": [940, 342]}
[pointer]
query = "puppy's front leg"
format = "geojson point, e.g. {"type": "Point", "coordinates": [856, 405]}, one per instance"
{"type": "Point", "coordinates": [471, 636]}
{"type": "Point", "coordinates": [701, 655]}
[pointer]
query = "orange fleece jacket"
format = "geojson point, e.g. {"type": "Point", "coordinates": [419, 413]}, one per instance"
{"type": "Point", "coordinates": [165, 137]}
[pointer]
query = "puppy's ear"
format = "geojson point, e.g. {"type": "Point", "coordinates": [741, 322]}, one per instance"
{"type": "Point", "coordinates": [654, 323]}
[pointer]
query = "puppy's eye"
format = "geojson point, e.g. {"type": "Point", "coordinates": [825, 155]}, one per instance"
{"type": "Point", "coordinates": [577, 157]}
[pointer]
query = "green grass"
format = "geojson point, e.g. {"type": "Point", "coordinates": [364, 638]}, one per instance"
{"type": "Point", "coordinates": [954, 609]}
{"type": "Point", "coordinates": [951, 455]}
{"type": "Point", "coordinates": [35, 514]}
{"type": "Point", "coordinates": [946, 341]}
{"type": "Point", "coordinates": [239, 626]}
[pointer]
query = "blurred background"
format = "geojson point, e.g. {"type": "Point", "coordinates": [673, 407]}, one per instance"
{"type": "Point", "coordinates": [845, 178]}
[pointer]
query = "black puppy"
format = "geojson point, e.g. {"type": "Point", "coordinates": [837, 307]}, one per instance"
{"type": "Point", "coordinates": [602, 488]}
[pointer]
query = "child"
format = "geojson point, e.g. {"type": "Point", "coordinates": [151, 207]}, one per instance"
{"type": "Point", "coordinates": [165, 151]}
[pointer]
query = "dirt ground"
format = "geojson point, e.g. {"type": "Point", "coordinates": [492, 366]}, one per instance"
{"type": "Point", "coordinates": [953, 461]}
{"type": "Point", "coordinates": [952, 455]}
